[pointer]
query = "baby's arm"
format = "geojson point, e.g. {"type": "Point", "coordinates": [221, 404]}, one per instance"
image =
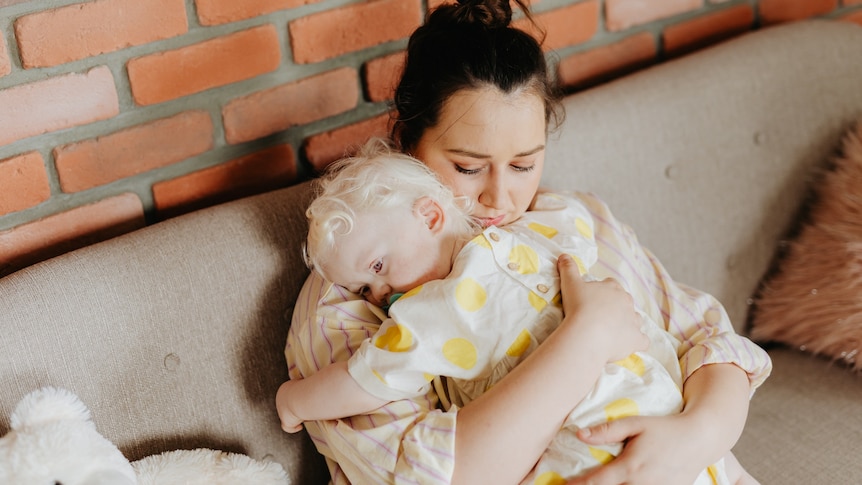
{"type": "Point", "coordinates": [329, 394]}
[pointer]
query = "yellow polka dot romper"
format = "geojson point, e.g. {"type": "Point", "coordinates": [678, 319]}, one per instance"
{"type": "Point", "coordinates": [499, 302]}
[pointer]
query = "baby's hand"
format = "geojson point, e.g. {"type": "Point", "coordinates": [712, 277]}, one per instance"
{"type": "Point", "coordinates": [289, 421]}
{"type": "Point", "coordinates": [604, 311]}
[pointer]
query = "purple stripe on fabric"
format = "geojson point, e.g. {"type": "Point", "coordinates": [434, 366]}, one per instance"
{"type": "Point", "coordinates": [312, 348]}
{"type": "Point", "coordinates": [668, 296]}
{"type": "Point", "coordinates": [437, 451]}
{"type": "Point", "coordinates": [432, 473]}
{"type": "Point", "coordinates": [381, 445]}
{"type": "Point", "coordinates": [329, 344]}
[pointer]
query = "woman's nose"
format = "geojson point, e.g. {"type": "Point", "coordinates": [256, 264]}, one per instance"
{"type": "Point", "coordinates": [493, 194]}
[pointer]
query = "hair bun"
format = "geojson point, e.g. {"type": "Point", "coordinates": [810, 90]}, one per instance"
{"type": "Point", "coordinates": [489, 13]}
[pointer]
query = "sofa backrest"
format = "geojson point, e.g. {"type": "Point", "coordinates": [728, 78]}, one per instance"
{"type": "Point", "coordinates": [708, 157]}
{"type": "Point", "coordinates": [173, 335]}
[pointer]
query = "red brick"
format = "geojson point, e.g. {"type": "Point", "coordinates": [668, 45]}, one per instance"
{"type": "Point", "coordinates": [57, 103]}
{"type": "Point", "coordinates": [382, 75]}
{"type": "Point", "coordinates": [235, 57]}
{"type": "Point", "coordinates": [100, 161]}
{"type": "Point", "coordinates": [855, 17]}
{"type": "Point", "coordinates": [565, 26]}
{"type": "Point", "coordinates": [215, 12]}
{"type": "Point", "coordinates": [265, 170]}
{"type": "Point", "coordinates": [432, 4]}
{"type": "Point", "coordinates": [777, 11]}
{"type": "Point", "coordinates": [23, 182]}
{"type": "Point", "coordinates": [5, 62]}
{"type": "Point", "coordinates": [622, 14]}
{"type": "Point", "coordinates": [54, 235]}
{"type": "Point", "coordinates": [325, 148]}
{"type": "Point", "coordinates": [607, 62]}
{"type": "Point", "coordinates": [351, 28]}
{"type": "Point", "coordinates": [707, 29]}
{"type": "Point", "coordinates": [84, 30]}
{"type": "Point", "coordinates": [279, 108]}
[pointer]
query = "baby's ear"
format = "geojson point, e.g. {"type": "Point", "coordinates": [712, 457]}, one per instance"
{"type": "Point", "coordinates": [430, 211]}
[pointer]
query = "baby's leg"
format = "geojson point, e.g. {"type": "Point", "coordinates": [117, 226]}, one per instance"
{"type": "Point", "coordinates": [735, 473]}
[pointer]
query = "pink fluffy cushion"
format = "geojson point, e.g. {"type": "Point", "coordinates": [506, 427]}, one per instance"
{"type": "Point", "coordinates": [813, 300]}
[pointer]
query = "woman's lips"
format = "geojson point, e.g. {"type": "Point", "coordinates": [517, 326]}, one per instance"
{"type": "Point", "coordinates": [491, 221]}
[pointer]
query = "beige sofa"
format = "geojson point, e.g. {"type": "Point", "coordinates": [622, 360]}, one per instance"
{"type": "Point", "coordinates": [173, 335]}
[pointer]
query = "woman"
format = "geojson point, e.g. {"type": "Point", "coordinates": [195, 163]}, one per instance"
{"type": "Point", "coordinates": [474, 103]}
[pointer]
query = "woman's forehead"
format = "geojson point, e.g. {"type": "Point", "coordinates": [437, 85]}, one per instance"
{"type": "Point", "coordinates": [475, 119]}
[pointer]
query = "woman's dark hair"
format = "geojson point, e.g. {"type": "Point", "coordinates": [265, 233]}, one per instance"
{"type": "Point", "coordinates": [467, 45]}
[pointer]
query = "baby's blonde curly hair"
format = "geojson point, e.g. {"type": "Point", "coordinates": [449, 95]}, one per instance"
{"type": "Point", "coordinates": [378, 177]}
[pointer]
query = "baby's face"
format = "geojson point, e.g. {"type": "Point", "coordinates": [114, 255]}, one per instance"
{"type": "Point", "coordinates": [388, 251]}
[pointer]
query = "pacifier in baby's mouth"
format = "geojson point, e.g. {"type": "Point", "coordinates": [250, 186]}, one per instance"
{"type": "Point", "coordinates": [392, 299]}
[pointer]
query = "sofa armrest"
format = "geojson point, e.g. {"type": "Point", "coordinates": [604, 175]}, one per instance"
{"type": "Point", "coordinates": [173, 335]}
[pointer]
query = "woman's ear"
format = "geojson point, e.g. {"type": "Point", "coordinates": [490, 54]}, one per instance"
{"type": "Point", "coordinates": [430, 211]}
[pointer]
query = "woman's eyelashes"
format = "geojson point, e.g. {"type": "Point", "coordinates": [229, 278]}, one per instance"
{"type": "Point", "coordinates": [516, 167]}
{"type": "Point", "coordinates": [467, 171]}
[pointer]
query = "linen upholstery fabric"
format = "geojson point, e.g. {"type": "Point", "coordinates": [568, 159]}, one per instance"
{"type": "Point", "coordinates": [173, 334]}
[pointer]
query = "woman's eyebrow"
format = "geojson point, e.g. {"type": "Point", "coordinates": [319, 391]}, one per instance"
{"type": "Point", "coordinates": [482, 156]}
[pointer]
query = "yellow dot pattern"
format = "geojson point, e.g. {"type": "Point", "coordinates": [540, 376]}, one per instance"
{"type": "Point", "coordinates": [547, 231]}
{"type": "Point", "coordinates": [601, 455]}
{"type": "Point", "coordinates": [582, 268]}
{"type": "Point", "coordinates": [525, 258]}
{"type": "Point", "coordinates": [396, 338]}
{"type": "Point", "coordinates": [713, 473]}
{"type": "Point", "coordinates": [584, 228]}
{"type": "Point", "coordinates": [470, 295]}
{"type": "Point", "coordinates": [550, 478]}
{"type": "Point", "coordinates": [481, 240]}
{"type": "Point", "coordinates": [621, 408]}
{"type": "Point", "coordinates": [460, 352]}
{"type": "Point", "coordinates": [413, 292]}
{"type": "Point", "coordinates": [536, 301]}
{"type": "Point", "coordinates": [557, 300]}
{"type": "Point", "coordinates": [633, 363]}
{"type": "Point", "coordinates": [520, 345]}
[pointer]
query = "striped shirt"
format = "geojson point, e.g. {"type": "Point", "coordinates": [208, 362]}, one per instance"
{"type": "Point", "coordinates": [412, 441]}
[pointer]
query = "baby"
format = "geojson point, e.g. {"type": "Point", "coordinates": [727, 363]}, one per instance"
{"type": "Point", "coordinates": [464, 303]}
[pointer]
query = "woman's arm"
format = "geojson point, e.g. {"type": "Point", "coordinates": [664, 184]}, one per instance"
{"type": "Point", "coordinates": [503, 433]}
{"type": "Point", "coordinates": [329, 394]}
{"type": "Point", "coordinates": [673, 450]}
{"type": "Point", "coordinates": [508, 424]}
{"type": "Point", "coordinates": [720, 370]}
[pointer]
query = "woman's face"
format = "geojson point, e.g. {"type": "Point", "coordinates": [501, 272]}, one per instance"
{"type": "Point", "coordinates": [489, 146]}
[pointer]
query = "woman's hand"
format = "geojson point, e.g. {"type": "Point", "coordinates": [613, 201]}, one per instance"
{"type": "Point", "coordinates": [673, 450]}
{"type": "Point", "coordinates": [659, 450]}
{"type": "Point", "coordinates": [603, 310]}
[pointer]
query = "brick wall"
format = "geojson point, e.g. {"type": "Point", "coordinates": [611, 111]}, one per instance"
{"type": "Point", "coordinates": [115, 114]}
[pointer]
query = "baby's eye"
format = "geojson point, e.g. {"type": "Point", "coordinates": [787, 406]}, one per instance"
{"type": "Point", "coordinates": [363, 291]}
{"type": "Point", "coordinates": [378, 265]}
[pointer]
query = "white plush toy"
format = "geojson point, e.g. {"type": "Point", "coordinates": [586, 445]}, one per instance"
{"type": "Point", "coordinates": [53, 441]}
